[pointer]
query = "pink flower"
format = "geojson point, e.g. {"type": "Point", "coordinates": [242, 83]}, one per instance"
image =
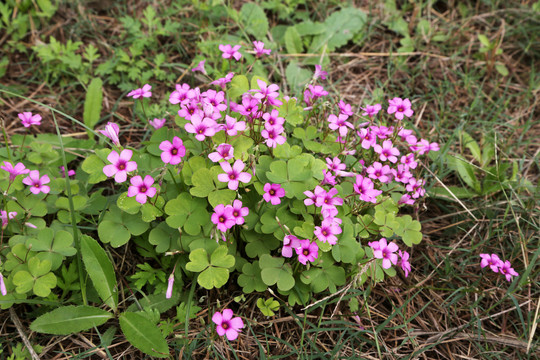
{"type": "Point", "coordinates": [387, 151]}
{"type": "Point", "coordinates": [232, 126]}
{"type": "Point", "coordinates": [327, 231]}
{"type": "Point", "coordinates": [227, 325]}
{"type": "Point", "coordinates": [63, 172]}
{"type": "Point", "coordinates": [311, 198]}
{"type": "Point", "coordinates": [406, 199]}
{"type": "Point", "coordinates": [345, 108]}
{"type": "Point", "coordinates": [2, 285]}
{"type": "Point", "coordinates": [319, 73]}
{"type": "Point", "coordinates": [382, 132]}
{"type": "Point", "coordinates": [120, 165]}
{"type": "Point", "coordinates": [258, 46]}
{"type": "Point", "coordinates": [141, 189]}
{"type": "Point", "coordinates": [223, 217]}
{"type": "Point", "coordinates": [224, 152]}
{"type": "Point", "coordinates": [142, 92]}
{"type": "Point", "coordinates": [335, 164]}
{"type": "Point", "coordinates": [340, 122]}
{"type": "Point", "coordinates": [273, 119]}
{"type": "Point", "coordinates": [5, 217]}
{"type": "Point", "coordinates": [409, 161]}
{"type": "Point", "coordinates": [202, 127]}
{"type": "Point", "coordinates": [230, 51]}
{"type": "Point", "coordinates": [328, 178]}
{"type": "Point", "coordinates": [172, 152]}
{"type": "Point", "coordinates": [200, 67]}
{"type": "Point", "coordinates": [273, 193]}
{"type": "Point", "coordinates": [273, 136]}
{"type": "Point", "coordinates": [239, 212]}
{"type": "Point", "coordinates": [507, 270]}
{"type": "Point", "coordinates": [234, 175]}
{"type": "Point", "coordinates": [37, 184]}
{"type": "Point", "coordinates": [222, 81]}
{"type": "Point", "coordinates": [367, 137]}
{"type": "Point", "coordinates": [404, 262]}
{"type": "Point", "coordinates": [168, 294]}
{"type": "Point", "coordinates": [307, 251]}
{"type": "Point", "coordinates": [365, 188]}
{"type": "Point", "coordinates": [179, 95]}
{"type": "Point", "coordinates": [379, 172]}
{"type": "Point", "coordinates": [27, 119]}
{"type": "Point", "coordinates": [492, 260]}
{"type": "Point", "coordinates": [371, 110]}
{"type": "Point", "coordinates": [400, 107]}
{"type": "Point", "coordinates": [265, 92]}
{"type": "Point", "coordinates": [402, 174]}
{"type": "Point", "coordinates": [317, 91]}
{"type": "Point", "coordinates": [327, 199]}
{"type": "Point", "coordinates": [19, 169]}
{"type": "Point", "coordinates": [111, 131]}
{"type": "Point", "coordinates": [290, 243]}
{"type": "Point", "coordinates": [385, 252]}
{"type": "Point", "coordinates": [157, 123]}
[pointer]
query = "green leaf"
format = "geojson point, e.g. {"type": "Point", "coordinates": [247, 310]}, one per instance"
{"type": "Point", "coordinates": [71, 319]}
{"type": "Point", "coordinates": [484, 40]}
{"type": "Point", "coordinates": [250, 279]}
{"type": "Point", "coordinates": [213, 277]}
{"type": "Point", "coordinates": [92, 105]}
{"type": "Point", "coordinates": [502, 69]}
{"type": "Point", "coordinates": [221, 258]}
{"type": "Point", "coordinates": [274, 271]}
{"type": "Point", "coordinates": [296, 75]}
{"type": "Point", "coordinates": [293, 43]}
{"type": "Point", "coordinates": [341, 27]}
{"type": "Point", "coordinates": [292, 113]}
{"type": "Point", "coordinates": [409, 230]}
{"type": "Point", "coordinates": [239, 85]}
{"type": "Point", "coordinates": [101, 271]}
{"type": "Point", "coordinates": [466, 173]}
{"type": "Point", "coordinates": [472, 145]}
{"type": "Point", "coordinates": [39, 278]}
{"type": "Point", "coordinates": [93, 165]}
{"type": "Point", "coordinates": [198, 260]}
{"type": "Point", "coordinates": [223, 196]}
{"type": "Point", "coordinates": [387, 222]}
{"type": "Point", "coordinates": [114, 233]}
{"type": "Point", "coordinates": [254, 20]}
{"type": "Point", "coordinates": [321, 279]}
{"type": "Point", "coordinates": [268, 307]}
{"type": "Point", "coordinates": [143, 334]}
{"type": "Point", "coordinates": [459, 192]}
{"type": "Point", "coordinates": [203, 183]}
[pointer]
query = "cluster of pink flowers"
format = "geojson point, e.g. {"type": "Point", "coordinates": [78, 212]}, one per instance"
{"type": "Point", "coordinates": [226, 216]}
{"type": "Point", "coordinates": [390, 255]}
{"type": "Point", "coordinates": [498, 266]}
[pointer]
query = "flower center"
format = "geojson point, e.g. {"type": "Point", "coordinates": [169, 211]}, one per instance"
{"type": "Point", "coordinates": [225, 325]}
{"type": "Point", "coordinates": [305, 252]}
{"type": "Point", "coordinates": [235, 213]}
{"type": "Point", "coordinates": [36, 185]}
{"type": "Point", "coordinates": [174, 151]}
{"type": "Point", "coordinates": [200, 131]}
{"type": "Point", "coordinates": [122, 167]}
{"type": "Point", "coordinates": [400, 109]}
{"type": "Point", "coordinates": [325, 232]}
{"type": "Point", "coordinates": [272, 192]}
{"type": "Point", "coordinates": [232, 176]}
{"type": "Point", "coordinates": [143, 189]}
{"type": "Point", "coordinates": [221, 219]}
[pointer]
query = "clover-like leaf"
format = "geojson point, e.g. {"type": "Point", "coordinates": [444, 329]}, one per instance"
{"type": "Point", "coordinates": [38, 278]}
{"type": "Point", "coordinates": [221, 258]}
{"type": "Point", "coordinates": [203, 183]}
{"type": "Point", "coordinates": [322, 278]}
{"type": "Point", "coordinates": [250, 279]}
{"type": "Point", "coordinates": [52, 246]}
{"type": "Point", "coordinates": [387, 222]}
{"type": "Point", "coordinates": [198, 260]}
{"type": "Point", "coordinates": [274, 271]}
{"type": "Point", "coordinates": [187, 212]}
{"type": "Point", "coordinates": [268, 306]}
{"type": "Point", "coordinates": [164, 238]}
{"type": "Point", "coordinates": [213, 277]}
{"type": "Point", "coordinates": [409, 230]}
{"type": "Point", "coordinates": [347, 248]}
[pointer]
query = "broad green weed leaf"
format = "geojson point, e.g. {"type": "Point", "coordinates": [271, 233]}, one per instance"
{"type": "Point", "coordinates": [71, 319]}
{"type": "Point", "coordinates": [101, 271]}
{"type": "Point", "coordinates": [254, 20]}
{"type": "Point", "coordinates": [297, 76]}
{"type": "Point", "coordinates": [341, 26]}
{"type": "Point", "coordinates": [92, 105]}
{"type": "Point", "coordinates": [472, 145]}
{"type": "Point", "coordinates": [143, 334]}
{"type": "Point", "coordinates": [293, 43]}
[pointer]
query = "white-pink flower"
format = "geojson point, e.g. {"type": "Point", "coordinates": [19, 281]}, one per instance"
{"type": "Point", "coordinates": [234, 175]}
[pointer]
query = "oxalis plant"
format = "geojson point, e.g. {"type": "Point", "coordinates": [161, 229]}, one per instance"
{"type": "Point", "coordinates": [299, 196]}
